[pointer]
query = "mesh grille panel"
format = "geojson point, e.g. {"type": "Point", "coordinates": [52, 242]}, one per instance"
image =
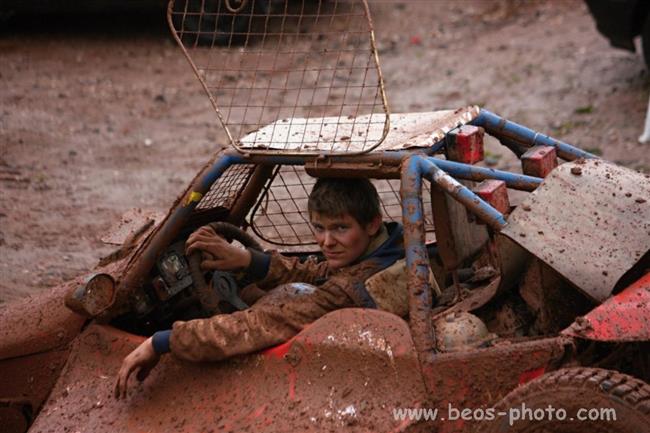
{"type": "Point", "coordinates": [281, 218]}
{"type": "Point", "coordinates": [225, 190]}
{"type": "Point", "coordinates": [285, 63]}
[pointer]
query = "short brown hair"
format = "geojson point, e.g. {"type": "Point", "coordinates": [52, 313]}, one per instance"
{"type": "Point", "coordinates": [334, 197]}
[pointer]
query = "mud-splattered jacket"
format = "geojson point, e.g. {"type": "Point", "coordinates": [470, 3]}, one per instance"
{"type": "Point", "coordinates": [285, 310]}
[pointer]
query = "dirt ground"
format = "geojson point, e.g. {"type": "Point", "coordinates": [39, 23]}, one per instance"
{"type": "Point", "coordinates": [100, 114]}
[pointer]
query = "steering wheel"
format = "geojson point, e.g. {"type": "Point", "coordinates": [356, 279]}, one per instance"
{"type": "Point", "coordinates": [224, 286]}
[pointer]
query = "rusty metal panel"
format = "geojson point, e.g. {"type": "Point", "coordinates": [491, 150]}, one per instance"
{"type": "Point", "coordinates": [345, 371]}
{"type": "Point", "coordinates": [458, 236]}
{"type": "Point", "coordinates": [624, 317]}
{"type": "Point", "coordinates": [589, 220]}
{"type": "Point", "coordinates": [333, 134]}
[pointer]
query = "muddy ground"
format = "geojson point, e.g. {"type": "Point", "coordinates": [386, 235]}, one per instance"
{"type": "Point", "coordinates": [99, 114]}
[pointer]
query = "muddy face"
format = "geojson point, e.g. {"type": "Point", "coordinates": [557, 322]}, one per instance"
{"type": "Point", "coordinates": [342, 239]}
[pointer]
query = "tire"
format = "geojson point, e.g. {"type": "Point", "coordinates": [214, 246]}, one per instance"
{"type": "Point", "coordinates": [574, 389]}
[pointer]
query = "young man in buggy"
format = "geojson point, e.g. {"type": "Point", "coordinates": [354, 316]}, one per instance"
{"type": "Point", "coordinates": [288, 293]}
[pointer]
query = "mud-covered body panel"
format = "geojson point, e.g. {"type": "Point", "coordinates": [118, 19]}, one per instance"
{"type": "Point", "coordinates": [349, 369]}
{"type": "Point", "coordinates": [589, 220]}
{"type": "Point", "coordinates": [38, 323]}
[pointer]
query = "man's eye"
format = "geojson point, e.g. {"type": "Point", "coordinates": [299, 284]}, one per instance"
{"type": "Point", "coordinates": [318, 229]}
{"type": "Point", "coordinates": [341, 228]}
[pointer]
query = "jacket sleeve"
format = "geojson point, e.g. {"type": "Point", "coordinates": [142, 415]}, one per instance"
{"type": "Point", "coordinates": [272, 269]}
{"type": "Point", "coordinates": [274, 319]}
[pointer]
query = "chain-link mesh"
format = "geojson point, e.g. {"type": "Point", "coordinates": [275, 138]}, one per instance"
{"type": "Point", "coordinates": [291, 76]}
{"type": "Point", "coordinates": [280, 216]}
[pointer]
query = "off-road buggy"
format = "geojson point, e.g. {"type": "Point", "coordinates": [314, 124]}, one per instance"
{"type": "Point", "coordinates": [533, 304]}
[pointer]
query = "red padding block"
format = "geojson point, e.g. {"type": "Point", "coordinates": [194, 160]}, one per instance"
{"type": "Point", "coordinates": [465, 144]}
{"type": "Point", "coordinates": [494, 192]}
{"type": "Point", "coordinates": [538, 161]}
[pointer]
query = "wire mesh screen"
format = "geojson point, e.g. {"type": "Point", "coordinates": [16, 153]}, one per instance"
{"type": "Point", "coordinates": [227, 188]}
{"type": "Point", "coordinates": [280, 216]}
{"type": "Point", "coordinates": [290, 76]}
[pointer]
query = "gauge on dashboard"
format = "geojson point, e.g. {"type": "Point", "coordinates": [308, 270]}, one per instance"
{"type": "Point", "coordinates": [94, 296]}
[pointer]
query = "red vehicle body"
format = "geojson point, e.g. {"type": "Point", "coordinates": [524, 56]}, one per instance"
{"type": "Point", "coordinates": [544, 302]}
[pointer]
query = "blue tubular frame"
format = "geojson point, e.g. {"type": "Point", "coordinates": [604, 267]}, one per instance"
{"type": "Point", "coordinates": [417, 260]}
{"type": "Point", "coordinates": [178, 217]}
{"type": "Point", "coordinates": [218, 168]}
{"type": "Point", "coordinates": [414, 168]}
{"type": "Point", "coordinates": [429, 168]}
{"type": "Point", "coordinates": [512, 132]}
{"type": "Point", "coordinates": [472, 172]}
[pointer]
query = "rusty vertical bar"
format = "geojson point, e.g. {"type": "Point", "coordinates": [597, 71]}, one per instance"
{"type": "Point", "coordinates": [417, 260]}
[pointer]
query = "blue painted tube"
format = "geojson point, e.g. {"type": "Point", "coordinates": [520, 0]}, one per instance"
{"type": "Point", "coordinates": [464, 195]}
{"type": "Point", "coordinates": [217, 169]}
{"type": "Point", "coordinates": [472, 172]}
{"type": "Point", "coordinates": [181, 214]}
{"type": "Point", "coordinates": [501, 128]}
{"type": "Point", "coordinates": [417, 260]}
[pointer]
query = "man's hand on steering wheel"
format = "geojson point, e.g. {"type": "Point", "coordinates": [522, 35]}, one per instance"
{"type": "Point", "coordinates": [218, 254]}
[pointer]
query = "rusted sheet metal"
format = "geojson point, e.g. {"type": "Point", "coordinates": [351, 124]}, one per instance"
{"type": "Point", "coordinates": [347, 370]}
{"type": "Point", "coordinates": [37, 323]}
{"type": "Point", "coordinates": [333, 134]}
{"type": "Point", "coordinates": [623, 317]}
{"type": "Point", "coordinates": [352, 169]}
{"type": "Point", "coordinates": [479, 378]}
{"type": "Point", "coordinates": [589, 220]}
